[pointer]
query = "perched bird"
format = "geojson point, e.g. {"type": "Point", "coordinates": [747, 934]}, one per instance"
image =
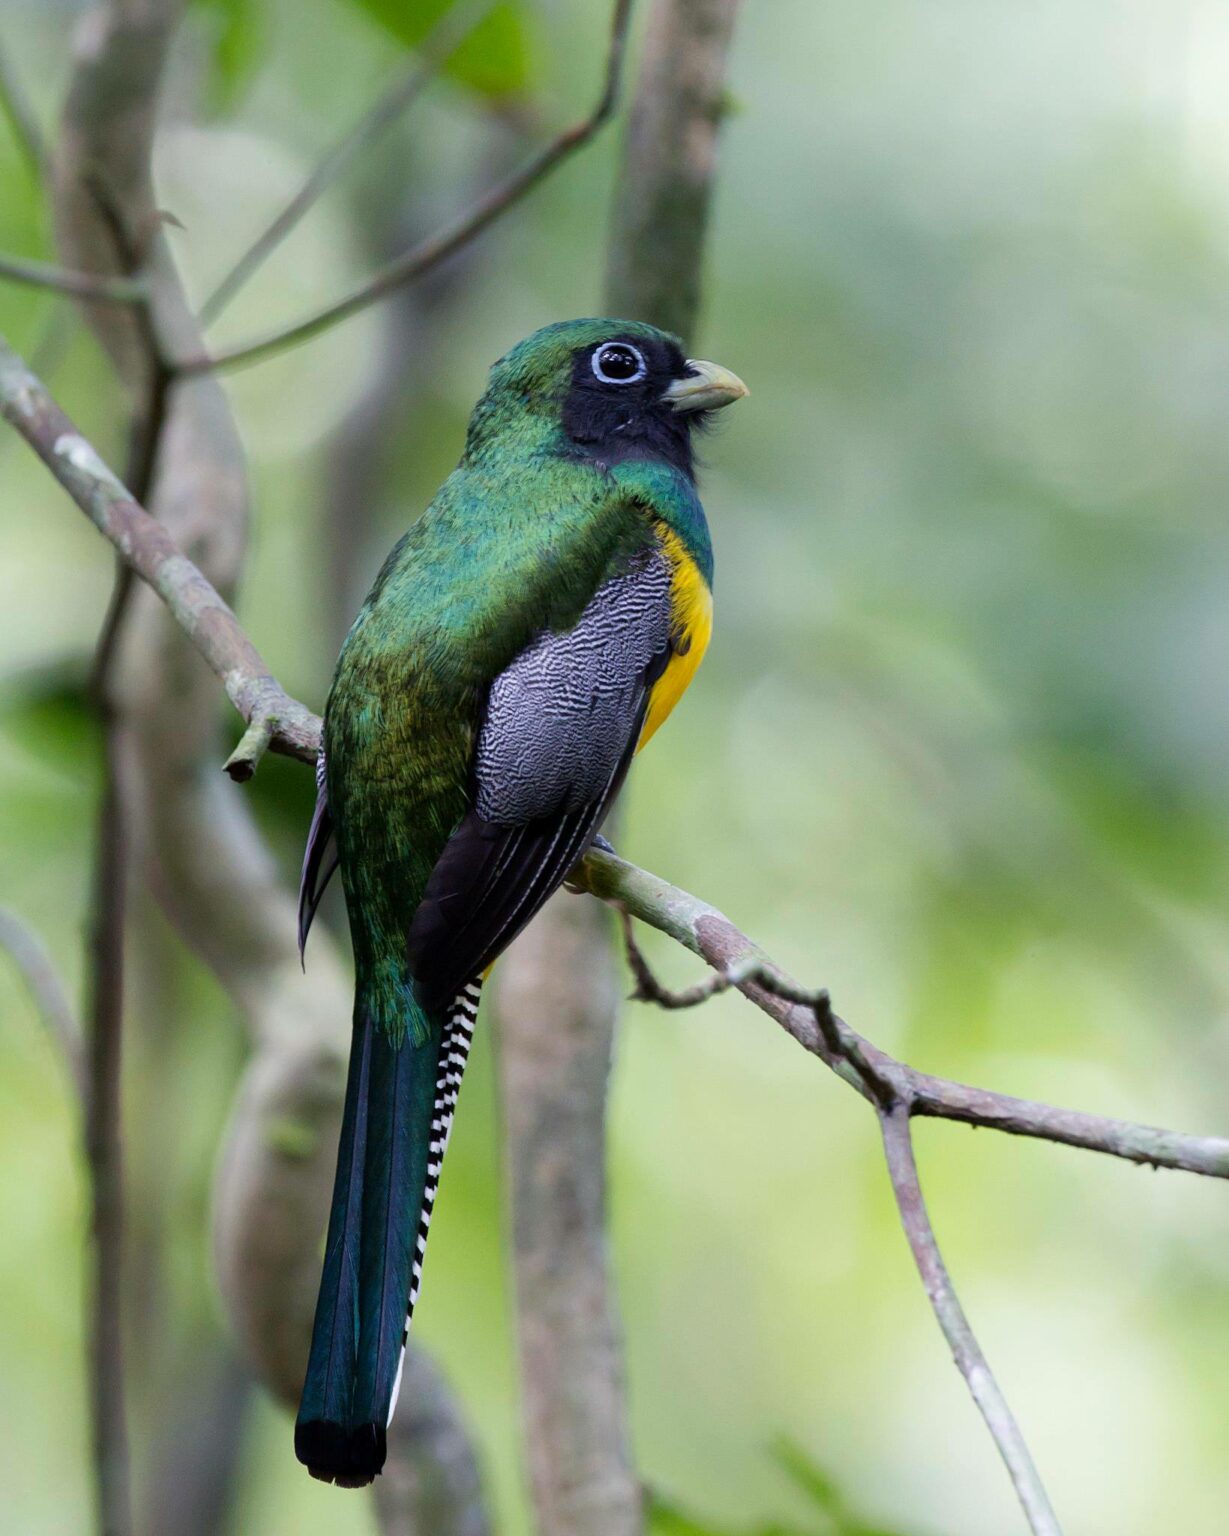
{"type": "Point", "coordinates": [526, 636]}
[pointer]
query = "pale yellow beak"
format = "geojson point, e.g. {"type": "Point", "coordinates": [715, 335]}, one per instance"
{"type": "Point", "coordinates": [707, 387]}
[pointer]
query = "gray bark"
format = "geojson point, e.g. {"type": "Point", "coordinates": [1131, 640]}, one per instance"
{"type": "Point", "coordinates": [203, 852]}
{"type": "Point", "coordinates": [558, 986]}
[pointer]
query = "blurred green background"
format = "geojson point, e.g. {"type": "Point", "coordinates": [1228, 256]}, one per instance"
{"type": "Point", "coordinates": [960, 750]}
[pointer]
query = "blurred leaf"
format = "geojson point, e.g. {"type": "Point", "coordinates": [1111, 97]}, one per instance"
{"type": "Point", "coordinates": [236, 39]}
{"type": "Point", "coordinates": [47, 712]}
{"type": "Point", "coordinates": [813, 1481]}
{"type": "Point", "coordinates": [667, 1519]}
{"type": "Point", "coordinates": [818, 1486]}
{"type": "Point", "coordinates": [493, 60]}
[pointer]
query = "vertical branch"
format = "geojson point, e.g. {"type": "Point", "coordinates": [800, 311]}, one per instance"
{"type": "Point", "coordinates": [431, 1484]}
{"type": "Point", "coordinates": [200, 847]}
{"type": "Point", "coordinates": [665, 191]}
{"type": "Point", "coordinates": [16, 107]}
{"type": "Point", "coordinates": [966, 1351]}
{"type": "Point", "coordinates": [558, 985]}
{"type": "Point", "coordinates": [103, 1146]}
{"type": "Point", "coordinates": [30, 957]}
{"type": "Point", "coordinates": [558, 1003]}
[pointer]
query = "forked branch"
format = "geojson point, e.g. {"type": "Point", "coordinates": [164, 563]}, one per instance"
{"type": "Point", "coordinates": [428, 254]}
{"type": "Point", "coordinates": [445, 38]}
{"type": "Point", "coordinates": [957, 1330]}
{"type": "Point", "coordinates": [897, 1091]}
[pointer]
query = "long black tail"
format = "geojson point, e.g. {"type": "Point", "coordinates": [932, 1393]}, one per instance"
{"type": "Point", "coordinates": [398, 1112]}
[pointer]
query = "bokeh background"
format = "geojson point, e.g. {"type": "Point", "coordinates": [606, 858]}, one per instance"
{"type": "Point", "coordinates": [960, 750]}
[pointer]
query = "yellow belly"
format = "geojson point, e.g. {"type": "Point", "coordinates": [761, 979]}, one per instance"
{"type": "Point", "coordinates": [692, 626]}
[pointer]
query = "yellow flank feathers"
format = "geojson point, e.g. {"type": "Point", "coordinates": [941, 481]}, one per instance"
{"type": "Point", "coordinates": [692, 605]}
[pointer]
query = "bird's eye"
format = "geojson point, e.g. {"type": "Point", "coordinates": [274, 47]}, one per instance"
{"type": "Point", "coordinates": [618, 362]}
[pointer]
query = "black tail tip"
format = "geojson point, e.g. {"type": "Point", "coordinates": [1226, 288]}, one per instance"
{"type": "Point", "coordinates": [349, 1455]}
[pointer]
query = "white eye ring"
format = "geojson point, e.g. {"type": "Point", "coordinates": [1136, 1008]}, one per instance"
{"type": "Point", "coordinates": [625, 347]}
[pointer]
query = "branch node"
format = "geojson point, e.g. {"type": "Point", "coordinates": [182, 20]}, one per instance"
{"type": "Point", "coordinates": [253, 744]}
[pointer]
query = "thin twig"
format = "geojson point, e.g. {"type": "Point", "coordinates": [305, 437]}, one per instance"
{"type": "Point", "coordinates": [429, 253]}
{"type": "Point", "coordinates": [32, 959]}
{"type": "Point", "coordinates": [16, 107]}
{"type": "Point", "coordinates": [104, 1123]}
{"type": "Point", "coordinates": [104, 1149]}
{"type": "Point", "coordinates": [295, 731]}
{"type": "Point", "coordinates": [753, 970]}
{"type": "Point", "coordinates": [447, 36]}
{"type": "Point", "coordinates": [888, 1086]}
{"type": "Point", "coordinates": [145, 431]}
{"type": "Point", "coordinates": [78, 285]}
{"type": "Point", "coordinates": [967, 1353]}
{"type": "Point", "coordinates": [151, 552]}
{"type": "Point", "coordinates": [699, 927]}
{"type": "Point", "coordinates": [706, 932]}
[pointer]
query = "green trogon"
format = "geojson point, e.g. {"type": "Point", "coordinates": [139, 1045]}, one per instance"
{"type": "Point", "coordinates": [526, 636]}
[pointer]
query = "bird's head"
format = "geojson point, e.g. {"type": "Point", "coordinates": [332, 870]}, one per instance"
{"type": "Point", "coordinates": [606, 390]}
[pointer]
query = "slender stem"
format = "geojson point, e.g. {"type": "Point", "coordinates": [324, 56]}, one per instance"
{"type": "Point", "coordinates": [699, 927]}
{"type": "Point", "coordinates": [295, 731]}
{"type": "Point", "coordinates": [422, 258]}
{"type": "Point", "coordinates": [31, 958]}
{"type": "Point", "coordinates": [194, 826]}
{"type": "Point", "coordinates": [447, 36]}
{"type": "Point", "coordinates": [705, 931]}
{"type": "Point", "coordinates": [966, 1351]}
{"type": "Point", "coordinates": [104, 1149]}
{"type": "Point", "coordinates": [155, 557]}
{"type": "Point", "coordinates": [103, 1103]}
{"type": "Point", "coordinates": [79, 285]}
{"type": "Point", "coordinates": [144, 440]}
{"type": "Point", "coordinates": [15, 105]}
{"type": "Point", "coordinates": [669, 168]}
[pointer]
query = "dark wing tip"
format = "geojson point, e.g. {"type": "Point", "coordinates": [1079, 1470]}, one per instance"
{"type": "Point", "coordinates": [350, 1456]}
{"type": "Point", "coordinates": [319, 859]}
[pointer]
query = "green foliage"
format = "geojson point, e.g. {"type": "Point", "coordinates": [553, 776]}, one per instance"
{"type": "Point", "coordinates": [837, 1519]}
{"type": "Point", "coordinates": [831, 1516]}
{"type": "Point", "coordinates": [494, 60]}
{"type": "Point", "coordinates": [47, 712]}
{"type": "Point", "coordinates": [237, 39]}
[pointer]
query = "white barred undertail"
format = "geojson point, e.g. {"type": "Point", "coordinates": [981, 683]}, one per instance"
{"type": "Point", "coordinates": [454, 1053]}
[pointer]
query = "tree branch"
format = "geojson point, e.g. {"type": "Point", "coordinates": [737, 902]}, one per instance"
{"type": "Point", "coordinates": [16, 107]}
{"type": "Point", "coordinates": [557, 989]}
{"type": "Point", "coordinates": [30, 957]}
{"type": "Point", "coordinates": [966, 1351]}
{"type": "Point", "coordinates": [78, 285]}
{"type": "Point", "coordinates": [446, 37]}
{"type": "Point", "coordinates": [708, 933]}
{"type": "Point", "coordinates": [887, 1085]}
{"type": "Point", "coordinates": [145, 545]}
{"type": "Point", "coordinates": [103, 1142]}
{"type": "Point", "coordinates": [691, 922]}
{"type": "Point", "coordinates": [669, 167]}
{"type": "Point", "coordinates": [202, 851]}
{"type": "Point", "coordinates": [423, 257]}
{"type": "Point", "coordinates": [687, 919]}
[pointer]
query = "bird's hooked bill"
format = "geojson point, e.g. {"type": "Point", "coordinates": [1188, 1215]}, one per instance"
{"type": "Point", "coordinates": [707, 387]}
